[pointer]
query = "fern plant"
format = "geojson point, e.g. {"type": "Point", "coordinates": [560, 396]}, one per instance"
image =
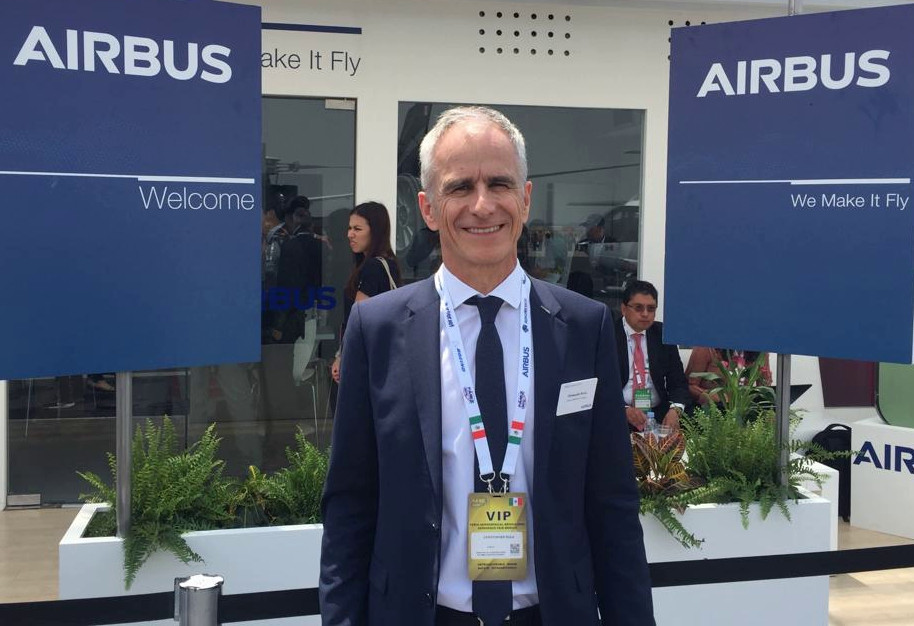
{"type": "Point", "coordinates": [295, 490]}
{"type": "Point", "coordinates": [739, 461]}
{"type": "Point", "coordinates": [292, 495]}
{"type": "Point", "coordinates": [175, 491]}
{"type": "Point", "coordinates": [172, 491]}
{"type": "Point", "coordinates": [249, 498]}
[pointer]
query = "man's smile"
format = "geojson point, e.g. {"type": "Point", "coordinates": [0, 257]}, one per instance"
{"type": "Point", "coordinates": [478, 230]}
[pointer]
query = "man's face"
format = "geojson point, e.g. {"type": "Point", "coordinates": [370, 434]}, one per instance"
{"type": "Point", "coordinates": [478, 202]}
{"type": "Point", "coordinates": [640, 311]}
{"type": "Point", "coordinates": [299, 217]}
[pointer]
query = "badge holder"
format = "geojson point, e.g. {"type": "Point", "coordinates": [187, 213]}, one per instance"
{"type": "Point", "coordinates": [497, 535]}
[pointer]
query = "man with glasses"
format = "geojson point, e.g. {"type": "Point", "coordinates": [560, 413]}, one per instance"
{"type": "Point", "coordinates": [651, 371]}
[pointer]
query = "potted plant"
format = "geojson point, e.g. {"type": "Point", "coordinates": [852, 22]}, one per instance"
{"type": "Point", "coordinates": [675, 498]}
{"type": "Point", "coordinates": [184, 510]}
{"type": "Point", "coordinates": [739, 460]}
{"type": "Point", "coordinates": [730, 457]}
{"type": "Point", "coordinates": [172, 491]}
{"type": "Point", "coordinates": [664, 483]}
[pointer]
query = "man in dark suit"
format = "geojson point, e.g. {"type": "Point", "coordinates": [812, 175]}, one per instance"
{"type": "Point", "coordinates": [401, 544]}
{"type": "Point", "coordinates": [654, 380]}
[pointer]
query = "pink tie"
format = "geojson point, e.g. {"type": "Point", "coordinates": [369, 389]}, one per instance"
{"type": "Point", "coordinates": [639, 379]}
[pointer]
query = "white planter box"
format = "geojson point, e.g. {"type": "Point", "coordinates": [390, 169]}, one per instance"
{"type": "Point", "coordinates": [250, 559]}
{"type": "Point", "coordinates": [286, 557]}
{"type": "Point", "coordinates": [787, 601]}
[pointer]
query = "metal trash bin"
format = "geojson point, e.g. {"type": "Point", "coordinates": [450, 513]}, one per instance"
{"type": "Point", "coordinates": [197, 600]}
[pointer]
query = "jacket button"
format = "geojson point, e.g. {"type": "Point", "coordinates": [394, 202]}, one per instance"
{"type": "Point", "coordinates": [429, 601]}
{"type": "Point", "coordinates": [434, 527]}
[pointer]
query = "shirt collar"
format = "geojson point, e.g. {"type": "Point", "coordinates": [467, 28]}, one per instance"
{"type": "Point", "coordinates": [508, 289]}
{"type": "Point", "coordinates": [629, 331]}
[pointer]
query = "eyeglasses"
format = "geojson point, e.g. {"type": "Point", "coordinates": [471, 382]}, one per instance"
{"type": "Point", "coordinates": [641, 308]}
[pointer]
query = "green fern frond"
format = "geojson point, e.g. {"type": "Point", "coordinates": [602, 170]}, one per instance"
{"type": "Point", "coordinates": [661, 511]}
{"type": "Point", "coordinates": [172, 491]}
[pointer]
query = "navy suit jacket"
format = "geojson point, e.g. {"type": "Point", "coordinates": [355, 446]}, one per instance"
{"type": "Point", "coordinates": [666, 368]}
{"type": "Point", "coordinates": [382, 505]}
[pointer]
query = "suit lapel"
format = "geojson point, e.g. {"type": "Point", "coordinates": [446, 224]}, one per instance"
{"type": "Point", "coordinates": [622, 351]}
{"type": "Point", "coordinates": [421, 334]}
{"type": "Point", "coordinates": [654, 349]}
{"type": "Point", "coordinates": [655, 359]}
{"type": "Point", "coordinates": [550, 341]}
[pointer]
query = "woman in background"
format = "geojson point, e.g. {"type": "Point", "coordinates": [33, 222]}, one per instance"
{"type": "Point", "coordinates": [707, 359]}
{"type": "Point", "coordinates": [375, 268]}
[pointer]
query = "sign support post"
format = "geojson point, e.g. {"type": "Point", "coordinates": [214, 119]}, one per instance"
{"type": "Point", "coordinates": [782, 417]}
{"type": "Point", "coordinates": [782, 399]}
{"type": "Point", "coordinates": [124, 410]}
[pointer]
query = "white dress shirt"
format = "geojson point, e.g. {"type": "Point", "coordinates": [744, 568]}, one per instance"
{"type": "Point", "coordinates": [455, 589]}
{"type": "Point", "coordinates": [649, 383]}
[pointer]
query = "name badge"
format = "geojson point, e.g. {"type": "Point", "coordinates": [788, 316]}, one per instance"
{"type": "Point", "coordinates": [642, 398]}
{"type": "Point", "coordinates": [576, 396]}
{"type": "Point", "coordinates": [497, 541]}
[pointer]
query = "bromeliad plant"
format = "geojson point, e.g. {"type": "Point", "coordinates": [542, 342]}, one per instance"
{"type": "Point", "coordinates": [741, 389]}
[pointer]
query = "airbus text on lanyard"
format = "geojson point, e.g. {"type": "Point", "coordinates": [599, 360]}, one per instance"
{"type": "Point", "coordinates": [524, 375]}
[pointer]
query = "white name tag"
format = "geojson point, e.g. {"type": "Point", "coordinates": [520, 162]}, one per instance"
{"type": "Point", "coordinates": [497, 545]}
{"type": "Point", "coordinates": [576, 396]}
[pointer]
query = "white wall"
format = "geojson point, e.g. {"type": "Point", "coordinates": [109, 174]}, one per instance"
{"type": "Point", "coordinates": [429, 51]}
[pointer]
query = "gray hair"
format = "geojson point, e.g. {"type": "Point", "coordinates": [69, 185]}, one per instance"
{"type": "Point", "coordinates": [459, 115]}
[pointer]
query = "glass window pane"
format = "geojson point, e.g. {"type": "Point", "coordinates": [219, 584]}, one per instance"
{"type": "Point", "coordinates": [584, 227]}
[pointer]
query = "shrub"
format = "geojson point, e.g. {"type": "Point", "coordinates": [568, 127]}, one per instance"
{"type": "Point", "coordinates": [739, 461]}
{"type": "Point", "coordinates": [175, 491]}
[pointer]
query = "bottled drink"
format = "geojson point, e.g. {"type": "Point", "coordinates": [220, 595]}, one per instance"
{"type": "Point", "coordinates": [651, 426]}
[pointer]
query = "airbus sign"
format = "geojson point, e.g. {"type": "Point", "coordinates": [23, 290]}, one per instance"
{"type": "Point", "coordinates": [798, 73]}
{"type": "Point", "coordinates": [128, 54]}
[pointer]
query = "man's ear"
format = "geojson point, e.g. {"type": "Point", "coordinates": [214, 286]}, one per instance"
{"type": "Point", "coordinates": [428, 213]}
{"type": "Point", "coordinates": [528, 192]}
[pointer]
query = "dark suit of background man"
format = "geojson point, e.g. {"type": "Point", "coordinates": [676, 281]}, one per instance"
{"type": "Point", "coordinates": [402, 465]}
{"type": "Point", "coordinates": [666, 380]}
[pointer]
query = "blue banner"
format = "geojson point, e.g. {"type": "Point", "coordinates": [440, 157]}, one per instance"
{"type": "Point", "coordinates": [790, 226]}
{"type": "Point", "coordinates": [130, 193]}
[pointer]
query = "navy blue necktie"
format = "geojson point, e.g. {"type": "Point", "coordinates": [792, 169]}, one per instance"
{"type": "Point", "coordinates": [492, 600]}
